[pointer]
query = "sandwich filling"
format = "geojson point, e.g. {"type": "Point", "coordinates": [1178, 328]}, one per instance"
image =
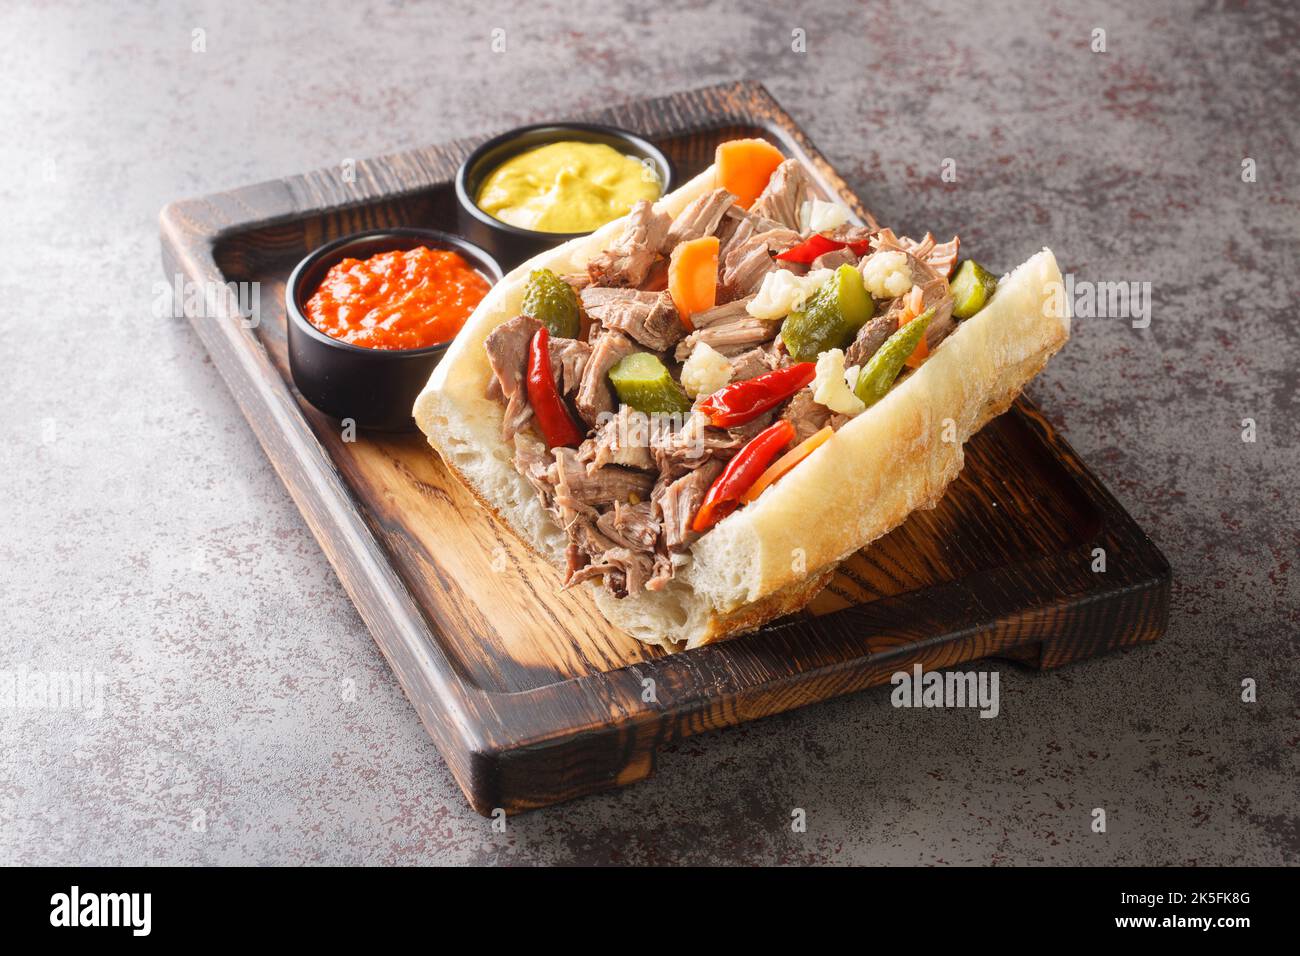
{"type": "Point", "coordinates": [700, 358]}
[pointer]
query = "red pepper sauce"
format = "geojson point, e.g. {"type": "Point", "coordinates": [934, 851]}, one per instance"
{"type": "Point", "coordinates": [408, 299]}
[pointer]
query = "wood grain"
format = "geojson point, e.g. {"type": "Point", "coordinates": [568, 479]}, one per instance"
{"type": "Point", "coordinates": [531, 696]}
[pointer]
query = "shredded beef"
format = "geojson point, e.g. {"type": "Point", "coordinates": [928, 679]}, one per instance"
{"type": "Point", "coordinates": [700, 218]}
{"type": "Point", "coordinates": [834, 259]}
{"type": "Point", "coordinates": [585, 488]}
{"type": "Point", "coordinates": [623, 439]}
{"type": "Point", "coordinates": [732, 220]}
{"type": "Point", "coordinates": [649, 317]}
{"type": "Point", "coordinates": [869, 339]}
{"type": "Point", "coordinates": [568, 359]}
{"type": "Point", "coordinates": [941, 258]}
{"type": "Point", "coordinates": [730, 338]}
{"type": "Point", "coordinates": [807, 416]}
{"type": "Point", "coordinates": [627, 262]}
{"type": "Point", "coordinates": [739, 227]}
{"type": "Point", "coordinates": [777, 355]}
{"type": "Point", "coordinates": [721, 314]}
{"type": "Point", "coordinates": [743, 433]}
{"type": "Point", "coordinates": [676, 452]}
{"type": "Point", "coordinates": [934, 292]}
{"type": "Point", "coordinates": [533, 461]}
{"type": "Point", "coordinates": [634, 527]}
{"type": "Point", "coordinates": [577, 280]}
{"type": "Point", "coordinates": [784, 195]}
{"type": "Point", "coordinates": [749, 365]}
{"type": "Point", "coordinates": [661, 572]}
{"type": "Point", "coordinates": [677, 501]}
{"type": "Point", "coordinates": [853, 233]}
{"type": "Point", "coordinates": [748, 261]}
{"type": "Point", "coordinates": [656, 279]}
{"type": "Point", "coordinates": [595, 396]}
{"type": "Point", "coordinates": [507, 352]}
{"type": "Point", "coordinates": [625, 570]}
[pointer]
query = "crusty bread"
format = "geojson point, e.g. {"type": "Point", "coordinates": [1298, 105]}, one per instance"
{"type": "Point", "coordinates": [773, 556]}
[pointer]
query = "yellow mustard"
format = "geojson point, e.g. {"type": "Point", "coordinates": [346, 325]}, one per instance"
{"type": "Point", "coordinates": [567, 187]}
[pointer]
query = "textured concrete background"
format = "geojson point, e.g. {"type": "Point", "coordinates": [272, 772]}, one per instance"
{"type": "Point", "coordinates": [146, 538]}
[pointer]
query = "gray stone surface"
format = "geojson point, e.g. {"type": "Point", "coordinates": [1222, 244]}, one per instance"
{"type": "Point", "coordinates": [146, 538]}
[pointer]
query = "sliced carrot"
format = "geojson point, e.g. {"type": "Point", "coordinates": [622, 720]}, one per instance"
{"type": "Point", "coordinates": [911, 309]}
{"type": "Point", "coordinates": [919, 354]}
{"type": "Point", "coordinates": [745, 166]}
{"type": "Point", "coordinates": [787, 461]}
{"type": "Point", "coordinates": [693, 276]}
{"type": "Point", "coordinates": [915, 299]}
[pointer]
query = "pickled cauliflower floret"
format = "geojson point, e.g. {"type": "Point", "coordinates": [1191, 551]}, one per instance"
{"type": "Point", "coordinates": [887, 275]}
{"type": "Point", "coordinates": [705, 371]}
{"type": "Point", "coordinates": [824, 216]}
{"type": "Point", "coordinates": [831, 388]}
{"type": "Point", "coordinates": [783, 292]}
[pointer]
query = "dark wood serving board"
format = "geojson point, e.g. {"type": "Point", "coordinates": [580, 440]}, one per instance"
{"type": "Point", "coordinates": [531, 696]}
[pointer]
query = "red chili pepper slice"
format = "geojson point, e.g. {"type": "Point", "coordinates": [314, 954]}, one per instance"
{"type": "Point", "coordinates": [817, 245]}
{"type": "Point", "coordinates": [741, 472]}
{"type": "Point", "coordinates": [742, 402]}
{"type": "Point", "coordinates": [808, 250]}
{"type": "Point", "coordinates": [552, 414]}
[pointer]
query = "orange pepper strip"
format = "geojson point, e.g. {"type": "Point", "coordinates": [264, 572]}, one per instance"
{"type": "Point", "coordinates": [787, 461]}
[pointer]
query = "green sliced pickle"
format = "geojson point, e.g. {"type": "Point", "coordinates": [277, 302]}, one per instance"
{"type": "Point", "coordinates": [876, 379]}
{"type": "Point", "coordinates": [972, 287]}
{"type": "Point", "coordinates": [644, 383]}
{"type": "Point", "coordinates": [551, 301]}
{"type": "Point", "coordinates": [830, 318]}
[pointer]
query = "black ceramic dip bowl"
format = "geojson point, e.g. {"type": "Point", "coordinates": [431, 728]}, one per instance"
{"type": "Point", "coordinates": [375, 388]}
{"type": "Point", "coordinates": [511, 244]}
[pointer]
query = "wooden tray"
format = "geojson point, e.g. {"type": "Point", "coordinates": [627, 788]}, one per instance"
{"type": "Point", "coordinates": [529, 694]}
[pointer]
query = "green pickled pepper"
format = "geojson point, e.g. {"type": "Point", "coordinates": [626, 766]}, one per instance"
{"type": "Point", "coordinates": [551, 301]}
{"type": "Point", "coordinates": [644, 383]}
{"type": "Point", "coordinates": [878, 376]}
{"type": "Point", "coordinates": [830, 318]}
{"type": "Point", "coordinates": [971, 288]}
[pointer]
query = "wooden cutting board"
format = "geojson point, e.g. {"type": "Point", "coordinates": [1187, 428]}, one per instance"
{"type": "Point", "coordinates": [531, 696]}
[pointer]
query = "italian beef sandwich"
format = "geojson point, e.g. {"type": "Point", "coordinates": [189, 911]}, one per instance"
{"type": "Point", "coordinates": [702, 408]}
